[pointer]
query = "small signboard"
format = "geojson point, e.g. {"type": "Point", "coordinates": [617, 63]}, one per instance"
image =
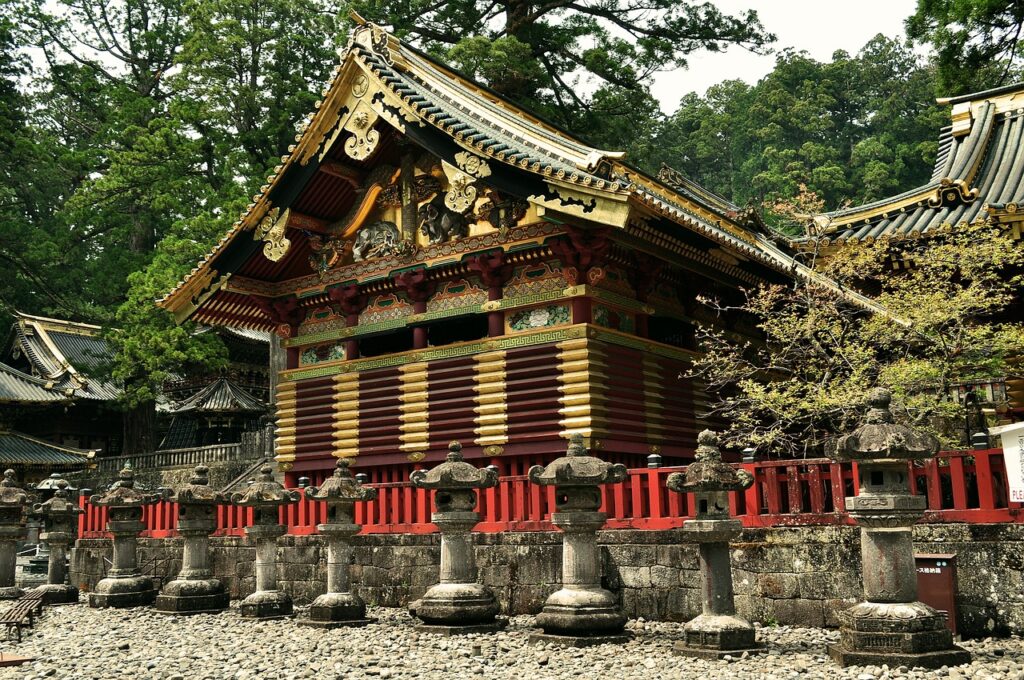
{"type": "Point", "coordinates": [936, 585]}
{"type": "Point", "coordinates": [1013, 456]}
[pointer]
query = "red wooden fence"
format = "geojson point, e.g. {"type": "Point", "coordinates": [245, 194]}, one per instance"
{"type": "Point", "coordinates": [960, 486]}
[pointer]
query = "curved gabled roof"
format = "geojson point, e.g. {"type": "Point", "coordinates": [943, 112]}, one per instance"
{"type": "Point", "coordinates": [979, 168]}
{"type": "Point", "coordinates": [220, 396]}
{"type": "Point", "coordinates": [380, 77]}
{"type": "Point", "coordinates": [63, 352]}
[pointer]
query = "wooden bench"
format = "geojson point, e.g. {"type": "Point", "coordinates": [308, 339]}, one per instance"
{"type": "Point", "coordinates": [22, 613]}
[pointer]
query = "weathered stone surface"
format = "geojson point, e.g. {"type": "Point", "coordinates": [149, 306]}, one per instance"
{"type": "Point", "coordinates": [991, 601]}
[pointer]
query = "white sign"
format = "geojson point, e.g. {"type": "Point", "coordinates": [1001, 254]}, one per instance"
{"type": "Point", "coordinates": [1013, 455]}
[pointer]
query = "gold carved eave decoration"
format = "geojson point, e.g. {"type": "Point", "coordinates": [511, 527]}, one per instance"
{"type": "Point", "coordinates": [611, 209]}
{"type": "Point", "coordinates": [271, 230]}
{"type": "Point", "coordinates": [199, 289]}
{"type": "Point", "coordinates": [948, 192]}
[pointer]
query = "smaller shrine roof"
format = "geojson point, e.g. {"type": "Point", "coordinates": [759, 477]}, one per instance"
{"type": "Point", "coordinates": [21, 388]}
{"type": "Point", "coordinates": [220, 396]}
{"type": "Point", "coordinates": [63, 352]}
{"type": "Point", "coordinates": [20, 449]}
{"type": "Point", "coordinates": [978, 175]}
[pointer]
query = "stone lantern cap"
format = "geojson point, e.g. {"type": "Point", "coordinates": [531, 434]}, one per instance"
{"type": "Point", "coordinates": [341, 487]}
{"type": "Point", "coordinates": [198, 490]}
{"type": "Point", "coordinates": [265, 492]}
{"type": "Point", "coordinates": [50, 483]}
{"type": "Point", "coordinates": [11, 495]}
{"type": "Point", "coordinates": [123, 494]}
{"type": "Point", "coordinates": [576, 468]}
{"type": "Point", "coordinates": [879, 438]}
{"type": "Point", "coordinates": [454, 473]}
{"type": "Point", "coordinates": [709, 472]}
{"type": "Point", "coordinates": [60, 505]}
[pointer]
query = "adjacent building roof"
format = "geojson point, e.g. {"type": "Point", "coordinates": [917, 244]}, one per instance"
{"type": "Point", "coordinates": [18, 449]}
{"type": "Point", "coordinates": [63, 353]}
{"type": "Point", "coordinates": [978, 175]}
{"type": "Point", "coordinates": [21, 388]}
{"type": "Point", "coordinates": [220, 396]}
{"type": "Point", "coordinates": [460, 121]}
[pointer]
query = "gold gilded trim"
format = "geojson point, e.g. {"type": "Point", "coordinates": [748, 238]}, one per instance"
{"type": "Point", "coordinates": [490, 418]}
{"type": "Point", "coordinates": [414, 424]}
{"type": "Point", "coordinates": [346, 415]}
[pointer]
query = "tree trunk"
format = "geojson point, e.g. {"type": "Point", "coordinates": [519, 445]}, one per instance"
{"type": "Point", "coordinates": [140, 429]}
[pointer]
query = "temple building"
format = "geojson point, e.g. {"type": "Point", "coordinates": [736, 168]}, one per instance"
{"type": "Point", "coordinates": [978, 177]}
{"type": "Point", "coordinates": [438, 264]}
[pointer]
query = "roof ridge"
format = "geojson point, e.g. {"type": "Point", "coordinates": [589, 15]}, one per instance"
{"type": "Point", "coordinates": [87, 453]}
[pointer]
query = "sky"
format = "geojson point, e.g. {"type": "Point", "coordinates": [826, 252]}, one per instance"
{"type": "Point", "coordinates": [819, 27]}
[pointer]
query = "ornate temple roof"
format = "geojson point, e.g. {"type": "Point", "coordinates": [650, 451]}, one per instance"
{"type": "Point", "coordinates": [978, 175]}
{"type": "Point", "coordinates": [220, 396]}
{"type": "Point", "coordinates": [21, 450]}
{"type": "Point", "coordinates": [469, 128]}
{"type": "Point", "coordinates": [61, 353]}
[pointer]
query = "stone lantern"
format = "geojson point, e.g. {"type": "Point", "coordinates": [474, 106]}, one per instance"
{"type": "Point", "coordinates": [13, 501]}
{"type": "Point", "coordinates": [124, 585]}
{"type": "Point", "coordinates": [582, 612]}
{"type": "Point", "coordinates": [339, 606]}
{"type": "Point", "coordinates": [194, 589]}
{"type": "Point", "coordinates": [59, 514]}
{"type": "Point", "coordinates": [266, 497]}
{"type": "Point", "coordinates": [717, 631]}
{"type": "Point", "coordinates": [890, 626]}
{"type": "Point", "coordinates": [458, 604]}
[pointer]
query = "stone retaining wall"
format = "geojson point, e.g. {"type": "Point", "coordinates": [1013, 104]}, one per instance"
{"type": "Point", "coordinates": [788, 575]}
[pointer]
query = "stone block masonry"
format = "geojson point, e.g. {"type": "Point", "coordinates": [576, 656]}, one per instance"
{"type": "Point", "coordinates": [785, 575]}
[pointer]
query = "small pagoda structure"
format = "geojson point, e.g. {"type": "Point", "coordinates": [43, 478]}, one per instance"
{"type": "Point", "coordinates": [458, 604]}
{"type": "Point", "coordinates": [889, 626]}
{"type": "Point", "coordinates": [339, 606]}
{"type": "Point", "coordinates": [440, 264]}
{"type": "Point", "coordinates": [718, 631]}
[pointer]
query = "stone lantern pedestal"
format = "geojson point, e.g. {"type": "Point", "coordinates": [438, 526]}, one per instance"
{"type": "Point", "coordinates": [890, 626]}
{"type": "Point", "coordinates": [339, 606]}
{"type": "Point", "coordinates": [194, 590]}
{"type": "Point", "coordinates": [124, 585]}
{"type": "Point", "coordinates": [581, 613]}
{"type": "Point", "coordinates": [717, 631]}
{"type": "Point", "coordinates": [13, 501]}
{"type": "Point", "coordinates": [59, 514]}
{"type": "Point", "coordinates": [458, 604]}
{"type": "Point", "coordinates": [266, 496]}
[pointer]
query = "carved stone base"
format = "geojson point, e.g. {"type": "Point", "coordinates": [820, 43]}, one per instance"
{"type": "Point", "coordinates": [683, 649]}
{"type": "Point", "coordinates": [954, 656]}
{"type": "Point", "coordinates": [11, 593]}
{"type": "Point", "coordinates": [327, 625]}
{"type": "Point", "coordinates": [121, 592]}
{"type": "Point", "coordinates": [448, 631]}
{"type": "Point", "coordinates": [456, 604]}
{"type": "Point", "coordinates": [338, 607]}
{"type": "Point", "coordinates": [577, 612]}
{"type": "Point", "coordinates": [193, 596]}
{"type": "Point", "coordinates": [268, 604]}
{"type": "Point", "coordinates": [579, 640]}
{"type": "Point", "coordinates": [903, 633]}
{"type": "Point", "coordinates": [58, 593]}
{"type": "Point", "coordinates": [715, 634]}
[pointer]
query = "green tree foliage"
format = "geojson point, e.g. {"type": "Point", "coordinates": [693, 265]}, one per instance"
{"type": "Point", "coordinates": [585, 65]}
{"type": "Point", "coordinates": [855, 129]}
{"type": "Point", "coordinates": [806, 379]}
{"type": "Point", "coordinates": [977, 42]}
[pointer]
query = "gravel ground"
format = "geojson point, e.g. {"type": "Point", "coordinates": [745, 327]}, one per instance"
{"type": "Point", "coordinates": [79, 642]}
